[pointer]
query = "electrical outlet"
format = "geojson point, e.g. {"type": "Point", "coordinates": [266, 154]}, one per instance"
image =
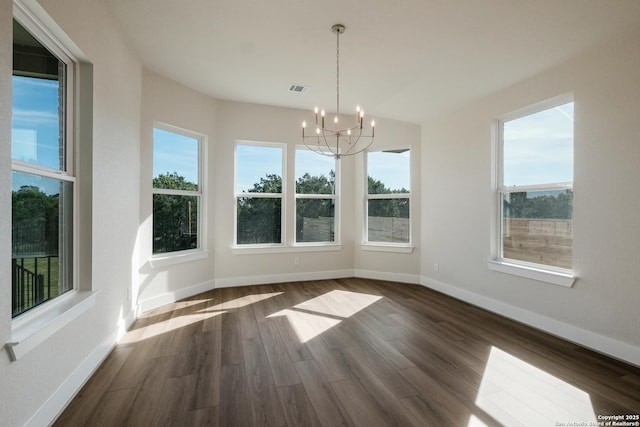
{"type": "Point", "coordinates": [296, 260]}
{"type": "Point", "coordinates": [128, 294]}
{"type": "Point", "coordinates": [436, 267]}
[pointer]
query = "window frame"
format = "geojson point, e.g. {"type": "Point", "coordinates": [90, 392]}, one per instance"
{"type": "Point", "coordinates": [282, 195]}
{"type": "Point", "coordinates": [336, 203]}
{"type": "Point", "coordinates": [401, 247]}
{"type": "Point", "coordinates": [66, 172]}
{"type": "Point", "coordinates": [539, 272]}
{"type": "Point", "coordinates": [33, 327]}
{"type": "Point", "coordinates": [199, 252]}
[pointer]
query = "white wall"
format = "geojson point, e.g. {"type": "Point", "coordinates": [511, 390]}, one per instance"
{"type": "Point", "coordinates": [35, 386]}
{"type": "Point", "coordinates": [168, 102]}
{"type": "Point", "coordinates": [601, 310]}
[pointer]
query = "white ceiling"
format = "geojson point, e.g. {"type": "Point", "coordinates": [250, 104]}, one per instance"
{"type": "Point", "coordinates": [400, 59]}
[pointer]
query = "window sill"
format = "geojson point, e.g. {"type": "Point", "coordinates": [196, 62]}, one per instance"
{"type": "Point", "coordinates": [171, 258]}
{"type": "Point", "coordinates": [378, 247]}
{"type": "Point", "coordinates": [264, 249]}
{"type": "Point", "coordinates": [548, 276]}
{"type": "Point", "coordinates": [36, 326]}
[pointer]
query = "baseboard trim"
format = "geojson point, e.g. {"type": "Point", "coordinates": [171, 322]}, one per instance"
{"type": "Point", "coordinates": [383, 275]}
{"type": "Point", "coordinates": [171, 297]}
{"type": "Point", "coordinates": [59, 400]}
{"type": "Point", "coordinates": [228, 282]}
{"type": "Point", "coordinates": [600, 343]}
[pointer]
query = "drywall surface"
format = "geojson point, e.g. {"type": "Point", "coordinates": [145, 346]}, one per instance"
{"type": "Point", "coordinates": [459, 201]}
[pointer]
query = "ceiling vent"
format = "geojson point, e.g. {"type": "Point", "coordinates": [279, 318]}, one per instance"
{"type": "Point", "coordinates": [296, 88]}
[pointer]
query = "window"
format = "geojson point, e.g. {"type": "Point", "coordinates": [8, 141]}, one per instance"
{"type": "Point", "coordinates": [43, 182]}
{"type": "Point", "coordinates": [259, 192]}
{"type": "Point", "coordinates": [315, 197]}
{"type": "Point", "coordinates": [535, 186]}
{"type": "Point", "coordinates": [177, 190]}
{"type": "Point", "coordinates": [388, 197]}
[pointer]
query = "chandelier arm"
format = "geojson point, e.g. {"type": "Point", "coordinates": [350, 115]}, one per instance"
{"type": "Point", "coordinates": [317, 149]}
{"type": "Point", "coordinates": [324, 138]}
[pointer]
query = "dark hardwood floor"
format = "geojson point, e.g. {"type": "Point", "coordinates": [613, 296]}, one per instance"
{"type": "Point", "coordinates": [346, 352]}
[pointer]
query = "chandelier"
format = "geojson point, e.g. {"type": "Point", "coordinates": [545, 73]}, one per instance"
{"type": "Point", "coordinates": [331, 139]}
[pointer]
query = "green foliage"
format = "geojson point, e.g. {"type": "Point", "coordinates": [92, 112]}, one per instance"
{"type": "Point", "coordinates": [550, 205]}
{"type": "Point", "coordinates": [308, 184]}
{"type": "Point", "coordinates": [173, 181]}
{"type": "Point", "coordinates": [175, 217]}
{"type": "Point", "coordinates": [272, 183]}
{"type": "Point", "coordinates": [35, 221]}
{"type": "Point", "coordinates": [377, 187]}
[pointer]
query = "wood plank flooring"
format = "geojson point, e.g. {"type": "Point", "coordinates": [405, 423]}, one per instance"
{"type": "Point", "coordinates": [348, 352]}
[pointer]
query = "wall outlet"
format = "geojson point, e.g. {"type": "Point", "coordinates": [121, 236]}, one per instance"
{"type": "Point", "coordinates": [436, 267]}
{"type": "Point", "coordinates": [296, 260]}
{"type": "Point", "coordinates": [128, 294]}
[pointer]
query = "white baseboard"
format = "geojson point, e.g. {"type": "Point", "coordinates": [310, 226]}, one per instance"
{"type": "Point", "coordinates": [600, 343]}
{"type": "Point", "coordinates": [228, 282]}
{"type": "Point", "coordinates": [171, 297]}
{"type": "Point", "coordinates": [383, 275]}
{"type": "Point", "coordinates": [59, 400]}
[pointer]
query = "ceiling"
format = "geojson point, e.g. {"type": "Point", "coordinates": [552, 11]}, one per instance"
{"type": "Point", "coordinates": [401, 59]}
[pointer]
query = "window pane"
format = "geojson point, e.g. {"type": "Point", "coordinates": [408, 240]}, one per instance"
{"type": "Point", "coordinates": [41, 240]}
{"type": "Point", "coordinates": [538, 227]}
{"type": "Point", "coordinates": [38, 103]}
{"type": "Point", "coordinates": [258, 169]}
{"type": "Point", "coordinates": [315, 220]}
{"type": "Point", "coordinates": [175, 223]}
{"type": "Point", "coordinates": [388, 220]}
{"type": "Point", "coordinates": [175, 161]}
{"type": "Point", "coordinates": [315, 174]}
{"type": "Point", "coordinates": [538, 148]}
{"type": "Point", "coordinates": [259, 220]}
{"type": "Point", "coordinates": [389, 172]}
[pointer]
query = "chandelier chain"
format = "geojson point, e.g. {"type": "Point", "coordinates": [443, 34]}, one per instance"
{"type": "Point", "coordinates": [338, 73]}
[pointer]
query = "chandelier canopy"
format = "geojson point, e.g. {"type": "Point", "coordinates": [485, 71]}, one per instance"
{"type": "Point", "coordinates": [332, 139]}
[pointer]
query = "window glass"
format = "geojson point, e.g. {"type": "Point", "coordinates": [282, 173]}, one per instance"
{"type": "Point", "coordinates": [259, 220]}
{"type": "Point", "coordinates": [538, 148]}
{"type": "Point", "coordinates": [259, 188]}
{"type": "Point", "coordinates": [537, 227]}
{"type": "Point", "coordinates": [536, 224]}
{"type": "Point", "coordinates": [388, 204]}
{"type": "Point", "coordinates": [42, 208]}
{"type": "Point", "coordinates": [177, 197]}
{"type": "Point", "coordinates": [258, 169]}
{"type": "Point", "coordinates": [389, 172]}
{"type": "Point", "coordinates": [315, 197]}
{"type": "Point", "coordinates": [38, 107]}
{"type": "Point", "coordinates": [175, 160]}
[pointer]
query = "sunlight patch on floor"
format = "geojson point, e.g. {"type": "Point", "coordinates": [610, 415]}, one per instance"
{"type": "Point", "coordinates": [339, 303]}
{"type": "Point", "coordinates": [159, 328]}
{"type": "Point", "coordinates": [317, 315]}
{"type": "Point", "coordinates": [475, 422]}
{"type": "Point", "coordinates": [515, 392]}
{"type": "Point", "coordinates": [242, 302]}
{"type": "Point", "coordinates": [306, 325]}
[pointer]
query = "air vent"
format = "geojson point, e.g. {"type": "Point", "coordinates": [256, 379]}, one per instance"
{"type": "Point", "coordinates": [296, 88]}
